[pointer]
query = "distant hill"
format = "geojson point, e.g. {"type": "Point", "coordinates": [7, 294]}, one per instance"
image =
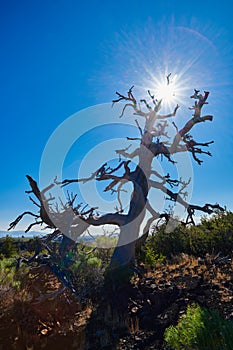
{"type": "Point", "coordinates": [21, 233]}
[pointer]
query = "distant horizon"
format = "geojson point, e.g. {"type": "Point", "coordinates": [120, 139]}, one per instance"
{"type": "Point", "coordinates": [20, 233]}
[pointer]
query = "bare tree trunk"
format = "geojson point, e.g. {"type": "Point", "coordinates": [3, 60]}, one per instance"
{"type": "Point", "coordinates": [124, 253]}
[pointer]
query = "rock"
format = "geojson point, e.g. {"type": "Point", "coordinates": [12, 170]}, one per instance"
{"type": "Point", "coordinates": [44, 331]}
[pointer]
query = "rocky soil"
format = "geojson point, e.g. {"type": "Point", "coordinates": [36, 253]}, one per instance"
{"type": "Point", "coordinates": [44, 316]}
{"type": "Point", "coordinates": [164, 293]}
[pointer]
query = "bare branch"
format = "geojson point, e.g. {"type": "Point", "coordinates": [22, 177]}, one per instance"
{"type": "Point", "coordinates": [196, 119]}
{"type": "Point", "coordinates": [146, 104]}
{"type": "Point", "coordinates": [133, 138]}
{"type": "Point", "coordinates": [85, 179]}
{"type": "Point", "coordinates": [118, 191]}
{"type": "Point", "coordinates": [207, 208]}
{"type": "Point", "coordinates": [19, 218]}
{"type": "Point", "coordinates": [191, 146]}
{"type": "Point", "coordinates": [33, 224]}
{"type": "Point", "coordinates": [128, 155]}
{"type": "Point", "coordinates": [139, 128]}
{"type": "Point", "coordinates": [168, 78]}
{"type": "Point", "coordinates": [159, 130]}
{"type": "Point", "coordinates": [155, 101]}
{"type": "Point", "coordinates": [176, 197]}
{"type": "Point", "coordinates": [170, 114]}
{"type": "Point", "coordinates": [130, 97]}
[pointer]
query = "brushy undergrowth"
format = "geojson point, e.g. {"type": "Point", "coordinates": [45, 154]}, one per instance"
{"type": "Point", "coordinates": [200, 329]}
{"type": "Point", "coordinates": [10, 277]}
{"type": "Point", "coordinates": [7, 247]}
{"type": "Point", "coordinates": [210, 236]}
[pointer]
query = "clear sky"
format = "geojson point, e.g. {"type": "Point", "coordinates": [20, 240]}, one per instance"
{"type": "Point", "coordinates": [60, 56]}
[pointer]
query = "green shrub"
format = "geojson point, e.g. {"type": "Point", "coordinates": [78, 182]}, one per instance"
{"type": "Point", "coordinates": [7, 248]}
{"type": "Point", "coordinates": [33, 244]}
{"type": "Point", "coordinates": [94, 262]}
{"type": "Point", "coordinates": [9, 276]}
{"type": "Point", "coordinates": [105, 241]}
{"type": "Point", "coordinates": [169, 243]}
{"type": "Point", "coordinates": [213, 235]}
{"type": "Point", "coordinates": [150, 257]}
{"type": "Point", "coordinates": [200, 329]}
{"type": "Point", "coordinates": [84, 268]}
{"type": "Point", "coordinates": [210, 236]}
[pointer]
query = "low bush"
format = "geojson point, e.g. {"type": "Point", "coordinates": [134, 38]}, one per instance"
{"type": "Point", "coordinates": [200, 329]}
{"type": "Point", "coordinates": [150, 257]}
{"type": "Point", "coordinates": [10, 277]}
{"type": "Point", "coordinates": [210, 236]}
{"type": "Point", "coordinates": [7, 247]}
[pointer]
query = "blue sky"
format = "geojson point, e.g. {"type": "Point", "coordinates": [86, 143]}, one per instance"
{"type": "Point", "coordinates": [58, 57]}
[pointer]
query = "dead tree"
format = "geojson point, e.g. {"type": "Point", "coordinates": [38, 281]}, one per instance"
{"type": "Point", "coordinates": [154, 141]}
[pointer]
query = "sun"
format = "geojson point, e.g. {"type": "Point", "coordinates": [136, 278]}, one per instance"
{"type": "Point", "coordinates": [166, 90]}
{"type": "Point", "coordinates": [170, 88]}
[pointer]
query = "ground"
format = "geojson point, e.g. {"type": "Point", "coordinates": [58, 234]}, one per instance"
{"type": "Point", "coordinates": [155, 299]}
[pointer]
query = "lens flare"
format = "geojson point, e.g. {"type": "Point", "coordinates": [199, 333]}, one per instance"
{"type": "Point", "coordinates": [166, 91]}
{"type": "Point", "coordinates": [170, 88]}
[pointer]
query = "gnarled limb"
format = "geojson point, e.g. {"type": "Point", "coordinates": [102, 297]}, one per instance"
{"type": "Point", "coordinates": [207, 208]}
{"type": "Point", "coordinates": [188, 126]}
{"type": "Point", "coordinates": [133, 103]}
{"type": "Point", "coordinates": [176, 197]}
{"type": "Point", "coordinates": [196, 119]}
{"type": "Point", "coordinates": [151, 114]}
{"type": "Point", "coordinates": [85, 179]}
{"type": "Point", "coordinates": [19, 218]}
{"type": "Point", "coordinates": [159, 130]}
{"type": "Point", "coordinates": [159, 148]}
{"type": "Point", "coordinates": [125, 154]}
{"type": "Point", "coordinates": [170, 114]}
{"type": "Point", "coordinates": [191, 147]}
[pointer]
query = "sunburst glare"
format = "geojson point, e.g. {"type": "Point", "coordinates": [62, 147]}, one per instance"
{"type": "Point", "coordinates": [167, 87]}
{"type": "Point", "coordinates": [166, 90]}
{"type": "Point", "coordinates": [145, 58]}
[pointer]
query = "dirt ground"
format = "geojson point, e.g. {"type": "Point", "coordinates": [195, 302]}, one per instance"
{"type": "Point", "coordinates": [43, 315]}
